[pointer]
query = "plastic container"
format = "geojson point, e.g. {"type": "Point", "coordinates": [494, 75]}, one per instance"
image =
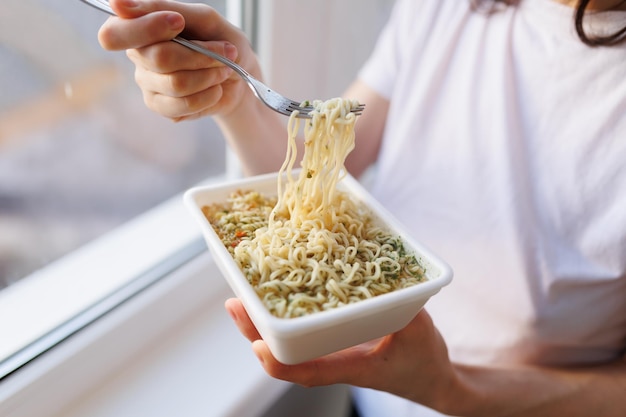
{"type": "Point", "coordinates": [295, 340]}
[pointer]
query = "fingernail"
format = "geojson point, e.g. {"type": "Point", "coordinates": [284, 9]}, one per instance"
{"type": "Point", "coordinates": [129, 3]}
{"type": "Point", "coordinates": [175, 21]}
{"type": "Point", "coordinates": [230, 51]}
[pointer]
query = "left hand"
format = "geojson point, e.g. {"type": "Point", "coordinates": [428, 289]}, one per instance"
{"type": "Point", "coordinates": [412, 363]}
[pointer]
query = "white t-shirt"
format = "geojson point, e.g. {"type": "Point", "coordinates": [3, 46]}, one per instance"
{"type": "Point", "coordinates": [505, 153]}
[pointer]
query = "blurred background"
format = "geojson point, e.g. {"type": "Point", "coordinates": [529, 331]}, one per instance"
{"type": "Point", "coordinates": [79, 152]}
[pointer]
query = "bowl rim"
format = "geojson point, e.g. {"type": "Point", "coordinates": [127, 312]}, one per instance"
{"type": "Point", "coordinates": [293, 327]}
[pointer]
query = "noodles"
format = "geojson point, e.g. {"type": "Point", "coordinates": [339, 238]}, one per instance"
{"type": "Point", "coordinates": [313, 248]}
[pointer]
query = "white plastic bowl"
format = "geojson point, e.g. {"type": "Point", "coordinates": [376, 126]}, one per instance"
{"type": "Point", "coordinates": [295, 340]}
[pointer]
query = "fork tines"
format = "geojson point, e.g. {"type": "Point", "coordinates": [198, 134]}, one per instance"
{"type": "Point", "coordinates": [305, 110]}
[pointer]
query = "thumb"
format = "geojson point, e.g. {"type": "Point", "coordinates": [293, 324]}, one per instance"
{"type": "Point", "coordinates": [202, 22]}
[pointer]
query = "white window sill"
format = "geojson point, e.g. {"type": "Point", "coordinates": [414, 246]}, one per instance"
{"type": "Point", "coordinates": [156, 347]}
{"type": "Point", "coordinates": [171, 350]}
{"type": "Point", "coordinates": [41, 309]}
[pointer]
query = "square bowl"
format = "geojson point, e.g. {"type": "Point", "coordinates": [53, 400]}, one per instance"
{"type": "Point", "coordinates": [295, 340]}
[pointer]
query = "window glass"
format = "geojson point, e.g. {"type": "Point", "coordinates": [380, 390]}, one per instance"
{"type": "Point", "coordinates": [79, 152]}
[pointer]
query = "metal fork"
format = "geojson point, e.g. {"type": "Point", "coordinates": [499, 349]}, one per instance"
{"type": "Point", "coordinates": [269, 97]}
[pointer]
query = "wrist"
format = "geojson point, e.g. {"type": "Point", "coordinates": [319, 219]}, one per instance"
{"type": "Point", "coordinates": [256, 134]}
{"type": "Point", "coordinates": [459, 397]}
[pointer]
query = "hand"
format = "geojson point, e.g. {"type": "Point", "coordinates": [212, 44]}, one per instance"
{"type": "Point", "coordinates": [412, 363]}
{"type": "Point", "coordinates": [175, 81]}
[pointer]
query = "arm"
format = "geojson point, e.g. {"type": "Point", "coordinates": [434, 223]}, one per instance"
{"type": "Point", "coordinates": [413, 363]}
{"type": "Point", "coordinates": [181, 84]}
{"type": "Point", "coordinates": [540, 391]}
{"type": "Point", "coordinates": [368, 131]}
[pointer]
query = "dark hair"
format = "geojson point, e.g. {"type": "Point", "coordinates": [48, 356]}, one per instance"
{"type": "Point", "coordinates": [579, 15]}
{"type": "Point", "coordinates": [593, 40]}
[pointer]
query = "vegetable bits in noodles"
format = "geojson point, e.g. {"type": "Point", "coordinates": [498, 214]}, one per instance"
{"type": "Point", "coordinates": [313, 248]}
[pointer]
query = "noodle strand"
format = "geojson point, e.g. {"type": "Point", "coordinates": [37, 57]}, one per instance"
{"type": "Point", "coordinates": [313, 248]}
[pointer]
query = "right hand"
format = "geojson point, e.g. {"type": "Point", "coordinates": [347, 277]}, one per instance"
{"type": "Point", "coordinates": [177, 82]}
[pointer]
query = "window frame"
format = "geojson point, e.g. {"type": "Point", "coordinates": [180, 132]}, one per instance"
{"type": "Point", "coordinates": [80, 287]}
{"type": "Point", "coordinates": [147, 339]}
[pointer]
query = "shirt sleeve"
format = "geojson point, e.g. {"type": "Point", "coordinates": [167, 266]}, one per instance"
{"type": "Point", "coordinates": [381, 68]}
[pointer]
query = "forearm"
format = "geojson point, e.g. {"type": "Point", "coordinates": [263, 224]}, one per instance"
{"type": "Point", "coordinates": [257, 135]}
{"type": "Point", "coordinates": [598, 391]}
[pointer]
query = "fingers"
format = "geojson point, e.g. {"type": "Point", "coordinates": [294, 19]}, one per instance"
{"type": "Point", "coordinates": [128, 8]}
{"type": "Point", "coordinates": [142, 23]}
{"type": "Point", "coordinates": [361, 365]}
{"type": "Point", "coordinates": [167, 57]}
{"type": "Point", "coordinates": [317, 372]}
{"type": "Point", "coordinates": [182, 84]}
{"type": "Point", "coordinates": [348, 366]}
{"type": "Point", "coordinates": [118, 34]}
{"type": "Point", "coordinates": [175, 81]}
{"type": "Point", "coordinates": [364, 365]}
{"type": "Point", "coordinates": [327, 370]}
{"type": "Point", "coordinates": [237, 311]}
{"type": "Point", "coordinates": [191, 104]}
{"type": "Point", "coordinates": [185, 108]}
